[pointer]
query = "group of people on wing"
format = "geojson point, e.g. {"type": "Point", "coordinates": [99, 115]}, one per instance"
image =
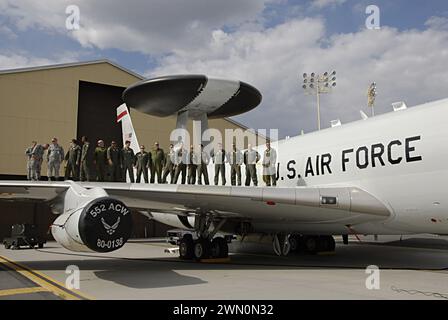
{"type": "Point", "coordinates": [114, 163]}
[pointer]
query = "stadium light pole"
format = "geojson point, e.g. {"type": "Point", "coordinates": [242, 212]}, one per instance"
{"type": "Point", "coordinates": [371, 95]}
{"type": "Point", "coordinates": [317, 84]}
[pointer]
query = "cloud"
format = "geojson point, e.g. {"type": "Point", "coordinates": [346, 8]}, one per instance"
{"type": "Point", "coordinates": [10, 60]}
{"type": "Point", "coordinates": [319, 4]}
{"type": "Point", "coordinates": [151, 27]}
{"type": "Point", "coordinates": [407, 65]}
{"type": "Point", "coordinates": [5, 31]}
{"type": "Point", "coordinates": [229, 39]}
{"type": "Point", "coordinates": [435, 22]}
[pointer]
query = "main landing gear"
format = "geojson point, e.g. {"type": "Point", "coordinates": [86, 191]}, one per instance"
{"type": "Point", "coordinates": [312, 244]}
{"type": "Point", "coordinates": [205, 246]}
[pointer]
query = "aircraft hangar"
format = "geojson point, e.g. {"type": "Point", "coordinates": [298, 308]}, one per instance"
{"type": "Point", "coordinates": [68, 101]}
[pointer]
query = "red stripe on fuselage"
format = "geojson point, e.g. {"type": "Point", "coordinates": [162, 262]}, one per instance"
{"type": "Point", "coordinates": [121, 115]}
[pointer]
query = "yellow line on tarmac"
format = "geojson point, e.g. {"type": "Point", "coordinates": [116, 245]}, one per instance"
{"type": "Point", "coordinates": [44, 281]}
{"type": "Point", "coordinates": [10, 292]}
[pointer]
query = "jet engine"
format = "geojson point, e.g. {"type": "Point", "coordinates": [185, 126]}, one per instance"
{"type": "Point", "coordinates": [91, 221]}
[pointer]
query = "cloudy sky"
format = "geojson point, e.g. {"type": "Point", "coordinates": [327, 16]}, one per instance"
{"type": "Point", "coordinates": [267, 43]}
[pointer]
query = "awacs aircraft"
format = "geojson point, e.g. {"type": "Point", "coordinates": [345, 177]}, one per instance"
{"type": "Point", "coordinates": [382, 175]}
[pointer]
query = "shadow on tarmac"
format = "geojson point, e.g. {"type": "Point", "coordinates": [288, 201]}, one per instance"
{"type": "Point", "coordinates": [143, 273]}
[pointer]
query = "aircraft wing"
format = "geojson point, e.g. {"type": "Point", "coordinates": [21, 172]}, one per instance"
{"type": "Point", "coordinates": [305, 204]}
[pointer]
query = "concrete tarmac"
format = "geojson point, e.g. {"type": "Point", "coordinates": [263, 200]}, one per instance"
{"type": "Point", "coordinates": [410, 269]}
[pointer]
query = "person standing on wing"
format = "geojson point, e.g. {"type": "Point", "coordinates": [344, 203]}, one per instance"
{"type": "Point", "coordinates": [219, 159]}
{"type": "Point", "coordinates": [251, 157]}
{"type": "Point", "coordinates": [55, 156]}
{"type": "Point", "coordinates": [142, 164]}
{"type": "Point", "coordinates": [269, 161]}
{"type": "Point", "coordinates": [128, 161]}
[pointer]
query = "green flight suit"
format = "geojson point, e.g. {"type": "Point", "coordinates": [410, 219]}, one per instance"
{"type": "Point", "coordinates": [100, 160]}
{"type": "Point", "coordinates": [128, 163]}
{"type": "Point", "coordinates": [192, 167]}
{"type": "Point", "coordinates": [204, 160]}
{"type": "Point", "coordinates": [181, 166]}
{"type": "Point", "coordinates": [86, 161]}
{"type": "Point", "coordinates": [158, 159]}
{"type": "Point", "coordinates": [169, 166]}
{"type": "Point", "coordinates": [251, 157]}
{"type": "Point", "coordinates": [142, 162]}
{"type": "Point", "coordinates": [115, 161]}
{"type": "Point", "coordinates": [73, 158]}
{"type": "Point", "coordinates": [235, 158]}
{"type": "Point", "coordinates": [219, 158]}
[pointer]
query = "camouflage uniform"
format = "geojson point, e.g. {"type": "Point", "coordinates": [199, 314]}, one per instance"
{"type": "Point", "coordinates": [73, 157]}
{"type": "Point", "coordinates": [100, 160]}
{"type": "Point", "coordinates": [55, 156]}
{"type": "Point", "coordinates": [158, 159]}
{"type": "Point", "coordinates": [29, 165]}
{"type": "Point", "coordinates": [143, 161]}
{"type": "Point", "coordinates": [128, 163]}
{"type": "Point", "coordinates": [37, 153]}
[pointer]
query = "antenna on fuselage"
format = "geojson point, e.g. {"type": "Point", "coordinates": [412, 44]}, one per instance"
{"type": "Point", "coordinates": [335, 123]}
{"type": "Point", "coordinates": [398, 106]}
{"type": "Point", "coordinates": [363, 115]}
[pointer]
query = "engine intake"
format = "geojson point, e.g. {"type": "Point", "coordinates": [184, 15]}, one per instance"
{"type": "Point", "coordinates": [102, 225]}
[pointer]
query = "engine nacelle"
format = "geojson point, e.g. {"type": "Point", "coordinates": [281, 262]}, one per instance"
{"type": "Point", "coordinates": [101, 224]}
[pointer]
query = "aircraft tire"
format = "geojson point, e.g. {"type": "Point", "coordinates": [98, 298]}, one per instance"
{"type": "Point", "coordinates": [202, 248]}
{"type": "Point", "coordinates": [311, 244]}
{"type": "Point", "coordinates": [329, 244]}
{"type": "Point", "coordinates": [295, 242]}
{"type": "Point", "coordinates": [186, 245]}
{"type": "Point", "coordinates": [219, 248]}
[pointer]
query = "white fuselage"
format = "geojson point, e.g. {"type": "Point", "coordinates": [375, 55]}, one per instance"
{"type": "Point", "coordinates": [409, 176]}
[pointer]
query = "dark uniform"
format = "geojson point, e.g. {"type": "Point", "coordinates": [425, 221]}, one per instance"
{"type": "Point", "coordinates": [181, 165]}
{"type": "Point", "coordinates": [115, 161]}
{"type": "Point", "coordinates": [73, 158]}
{"type": "Point", "coordinates": [251, 157]}
{"type": "Point", "coordinates": [269, 160]}
{"type": "Point", "coordinates": [128, 163]}
{"type": "Point", "coordinates": [158, 159]}
{"type": "Point", "coordinates": [192, 167]}
{"type": "Point", "coordinates": [235, 158]}
{"type": "Point", "coordinates": [86, 160]}
{"type": "Point", "coordinates": [143, 161]}
{"type": "Point", "coordinates": [203, 162]}
{"type": "Point", "coordinates": [169, 167]}
{"type": "Point", "coordinates": [219, 158]}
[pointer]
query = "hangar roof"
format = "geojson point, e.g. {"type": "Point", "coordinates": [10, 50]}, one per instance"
{"type": "Point", "coordinates": [72, 64]}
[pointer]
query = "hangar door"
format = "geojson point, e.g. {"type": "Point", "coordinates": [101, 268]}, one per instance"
{"type": "Point", "coordinates": [97, 114]}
